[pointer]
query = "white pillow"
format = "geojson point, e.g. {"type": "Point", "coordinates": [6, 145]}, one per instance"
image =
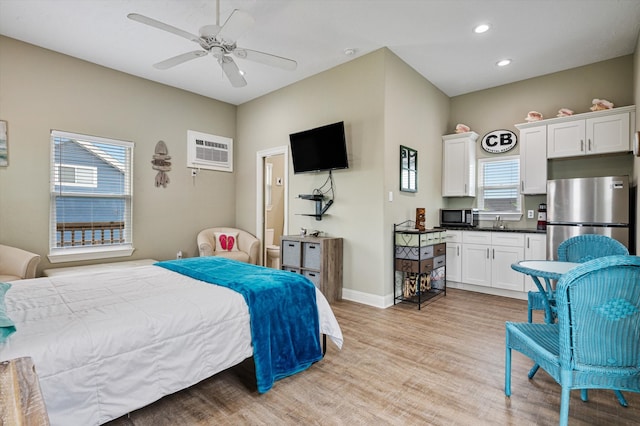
{"type": "Point", "coordinates": [226, 241]}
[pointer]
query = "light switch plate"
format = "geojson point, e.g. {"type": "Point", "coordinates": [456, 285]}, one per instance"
{"type": "Point", "coordinates": [529, 214]}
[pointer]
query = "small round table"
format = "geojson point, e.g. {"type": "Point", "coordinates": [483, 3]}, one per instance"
{"type": "Point", "coordinates": [548, 270]}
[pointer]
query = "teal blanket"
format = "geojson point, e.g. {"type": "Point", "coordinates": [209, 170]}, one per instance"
{"type": "Point", "coordinates": [285, 329]}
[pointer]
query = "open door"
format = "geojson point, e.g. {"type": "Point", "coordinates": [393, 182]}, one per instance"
{"type": "Point", "coordinates": [272, 205]}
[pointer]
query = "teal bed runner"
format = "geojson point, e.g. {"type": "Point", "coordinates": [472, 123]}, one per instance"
{"type": "Point", "coordinates": [285, 329]}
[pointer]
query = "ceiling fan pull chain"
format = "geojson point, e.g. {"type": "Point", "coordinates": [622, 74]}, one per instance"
{"type": "Point", "coordinates": [218, 13]}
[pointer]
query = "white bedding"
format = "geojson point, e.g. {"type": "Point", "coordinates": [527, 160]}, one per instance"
{"type": "Point", "coordinates": [107, 343]}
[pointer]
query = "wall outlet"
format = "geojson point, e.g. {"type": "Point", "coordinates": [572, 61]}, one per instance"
{"type": "Point", "coordinates": [529, 214]}
{"type": "Point", "coordinates": [179, 254]}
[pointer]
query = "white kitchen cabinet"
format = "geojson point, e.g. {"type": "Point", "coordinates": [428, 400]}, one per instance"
{"type": "Point", "coordinates": [487, 259]}
{"type": "Point", "coordinates": [454, 255]}
{"type": "Point", "coordinates": [476, 258]}
{"type": "Point", "coordinates": [533, 159]}
{"type": "Point", "coordinates": [506, 249]}
{"type": "Point", "coordinates": [599, 132]}
{"type": "Point", "coordinates": [535, 248]}
{"type": "Point", "coordinates": [459, 165]}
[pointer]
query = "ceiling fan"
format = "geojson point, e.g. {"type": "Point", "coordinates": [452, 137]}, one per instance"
{"type": "Point", "coordinates": [220, 41]}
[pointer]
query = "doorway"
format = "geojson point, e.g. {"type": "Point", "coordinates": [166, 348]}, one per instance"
{"type": "Point", "coordinates": [272, 202]}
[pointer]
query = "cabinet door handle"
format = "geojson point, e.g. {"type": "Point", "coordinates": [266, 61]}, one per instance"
{"type": "Point", "coordinates": [527, 242]}
{"type": "Point", "coordinates": [581, 145]}
{"type": "Point", "coordinates": [458, 250]}
{"type": "Point", "coordinates": [487, 252]}
{"type": "Point", "coordinates": [465, 188]}
{"type": "Point", "coordinates": [589, 144]}
{"type": "Point", "coordinates": [493, 253]}
{"type": "Point", "coordinates": [521, 185]}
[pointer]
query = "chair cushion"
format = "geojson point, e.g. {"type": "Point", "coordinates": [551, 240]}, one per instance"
{"type": "Point", "coordinates": [235, 255]}
{"type": "Point", "coordinates": [226, 241]}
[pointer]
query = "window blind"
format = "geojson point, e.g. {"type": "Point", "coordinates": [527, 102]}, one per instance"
{"type": "Point", "coordinates": [499, 183]}
{"type": "Point", "coordinates": [91, 192]}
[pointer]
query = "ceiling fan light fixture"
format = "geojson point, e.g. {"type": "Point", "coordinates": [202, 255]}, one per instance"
{"type": "Point", "coordinates": [482, 28]}
{"type": "Point", "coordinates": [503, 62]}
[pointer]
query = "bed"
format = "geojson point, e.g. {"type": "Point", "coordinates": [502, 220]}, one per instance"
{"type": "Point", "coordinates": [107, 343]}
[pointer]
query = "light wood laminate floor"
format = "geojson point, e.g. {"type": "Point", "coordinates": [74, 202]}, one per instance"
{"type": "Point", "coordinates": [443, 365]}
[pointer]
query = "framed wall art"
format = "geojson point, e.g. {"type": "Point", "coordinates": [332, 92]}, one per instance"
{"type": "Point", "coordinates": [408, 169]}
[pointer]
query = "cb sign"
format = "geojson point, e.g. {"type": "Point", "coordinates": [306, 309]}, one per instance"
{"type": "Point", "coordinates": [499, 141]}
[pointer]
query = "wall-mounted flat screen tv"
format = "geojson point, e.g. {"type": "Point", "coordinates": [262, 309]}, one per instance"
{"type": "Point", "coordinates": [320, 149]}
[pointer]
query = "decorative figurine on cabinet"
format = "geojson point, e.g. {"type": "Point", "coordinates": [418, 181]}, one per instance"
{"type": "Point", "coordinates": [420, 219]}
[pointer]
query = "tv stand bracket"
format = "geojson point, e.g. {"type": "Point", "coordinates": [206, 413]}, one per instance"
{"type": "Point", "coordinates": [320, 209]}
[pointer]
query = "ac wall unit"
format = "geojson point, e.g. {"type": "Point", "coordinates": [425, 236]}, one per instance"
{"type": "Point", "coordinates": [211, 152]}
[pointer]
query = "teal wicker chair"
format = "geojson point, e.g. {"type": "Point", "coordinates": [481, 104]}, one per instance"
{"type": "Point", "coordinates": [595, 343]}
{"type": "Point", "coordinates": [579, 249]}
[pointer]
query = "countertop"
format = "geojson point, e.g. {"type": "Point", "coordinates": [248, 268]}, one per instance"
{"type": "Point", "coordinates": [491, 229]}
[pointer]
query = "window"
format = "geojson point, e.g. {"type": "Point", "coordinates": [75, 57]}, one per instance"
{"type": "Point", "coordinates": [91, 197]}
{"type": "Point", "coordinates": [499, 188]}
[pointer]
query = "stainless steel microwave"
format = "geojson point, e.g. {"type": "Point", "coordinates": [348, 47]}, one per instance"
{"type": "Point", "coordinates": [459, 217]}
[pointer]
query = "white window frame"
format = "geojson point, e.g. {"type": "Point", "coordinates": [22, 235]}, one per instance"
{"type": "Point", "coordinates": [89, 252]}
{"type": "Point", "coordinates": [512, 215]}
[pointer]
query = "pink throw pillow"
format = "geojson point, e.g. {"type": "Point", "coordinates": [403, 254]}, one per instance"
{"type": "Point", "coordinates": [226, 241]}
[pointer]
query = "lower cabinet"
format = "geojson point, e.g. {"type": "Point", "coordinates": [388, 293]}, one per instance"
{"type": "Point", "coordinates": [535, 248]}
{"type": "Point", "coordinates": [487, 258]}
{"type": "Point", "coordinates": [454, 255]}
{"type": "Point", "coordinates": [506, 248]}
{"type": "Point", "coordinates": [317, 258]}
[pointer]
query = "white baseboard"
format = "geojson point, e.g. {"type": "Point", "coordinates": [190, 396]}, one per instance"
{"type": "Point", "coordinates": [386, 301]}
{"type": "Point", "coordinates": [488, 290]}
{"type": "Point", "coordinates": [367, 299]}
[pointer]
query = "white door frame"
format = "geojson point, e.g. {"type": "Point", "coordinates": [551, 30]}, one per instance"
{"type": "Point", "coordinates": [260, 156]}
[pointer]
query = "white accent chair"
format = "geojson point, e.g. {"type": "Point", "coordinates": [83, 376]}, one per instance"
{"type": "Point", "coordinates": [17, 264]}
{"type": "Point", "coordinates": [248, 245]}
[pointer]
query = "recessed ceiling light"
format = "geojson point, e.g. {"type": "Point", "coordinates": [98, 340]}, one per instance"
{"type": "Point", "coordinates": [503, 62]}
{"type": "Point", "coordinates": [482, 28]}
{"type": "Point", "coordinates": [349, 51]}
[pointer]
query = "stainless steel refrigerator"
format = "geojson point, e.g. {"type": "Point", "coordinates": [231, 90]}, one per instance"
{"type": "Point", "coordinates": [587, 206]}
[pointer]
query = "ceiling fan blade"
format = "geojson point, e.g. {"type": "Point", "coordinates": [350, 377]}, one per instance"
{"type": "Point", "coordinates": [237, 23]}
{"type": "Point", "coordinates": [232, 71]}
{"type": "Point", "coordinates": [265, 58]}
{"type": "Point", "coordinates": [162, 26]}
{"type": "Point", "coordinates": [177, 60]}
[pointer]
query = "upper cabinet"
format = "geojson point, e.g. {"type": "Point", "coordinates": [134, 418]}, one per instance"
{"type": "Point", "coordinates": [592, 133]}
{"type": "Point", "coordinates": [533, 160]}
{"type": "Point", "coordinates": [459, 165]}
